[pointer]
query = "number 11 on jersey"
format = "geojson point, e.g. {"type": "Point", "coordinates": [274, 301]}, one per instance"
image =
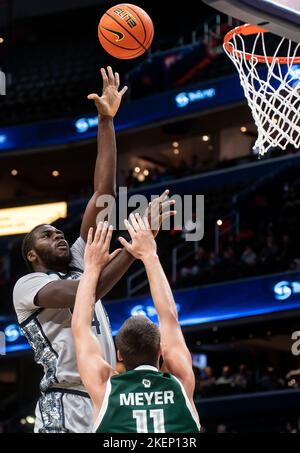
{"type": "Point", "coordinates": [141, 417]}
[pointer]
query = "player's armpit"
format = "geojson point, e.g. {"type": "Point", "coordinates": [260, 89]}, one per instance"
{"type": "Point", "coordinates": [57, 294]}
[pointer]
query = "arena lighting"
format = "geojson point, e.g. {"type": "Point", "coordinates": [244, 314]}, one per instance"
{"type": "Point", "coordinates": [21, 220]}
{"type": "Point", "coordinates": [1, 40]}
{"type": "Point", "coordinates": [14, 172]}
{"type": "Point", "coordinates": [205, 138]}
{"type": "Point", "coordinates": [219, 223]}
{"type": "Point", "coordinates": [137, 169]}
{"type": "Point", "coordinates": [141, 178]}
{"type": "Point", "coordinates": [30, 420]}
{"type": "Point", "coordinates": [243, 129]}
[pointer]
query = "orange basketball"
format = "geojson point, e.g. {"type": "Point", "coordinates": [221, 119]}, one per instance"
{"type": "Point", "coordinates": [126, 31]}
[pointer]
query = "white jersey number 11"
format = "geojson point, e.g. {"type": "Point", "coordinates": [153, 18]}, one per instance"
{"type": "Point", "coordinates": [141, 417]}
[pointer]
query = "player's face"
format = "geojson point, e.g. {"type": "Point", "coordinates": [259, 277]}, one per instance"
{"type": "Point", "coordinates": [52, 248]}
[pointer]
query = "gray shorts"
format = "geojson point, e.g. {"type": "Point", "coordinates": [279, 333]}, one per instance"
{"type": "Point", "coordinates": [64, 411]}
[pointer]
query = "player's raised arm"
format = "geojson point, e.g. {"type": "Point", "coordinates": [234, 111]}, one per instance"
{"type": "Point", "coordinates": [94, 370]}
{"type": "Point", "coordinates": [157, 212]}
{"type": "Point", "coordinates": [174, 350]}
{"type": "Point", "coordinates": [106, 164]}
{"type": "Point", "coordinates": [61, 294]}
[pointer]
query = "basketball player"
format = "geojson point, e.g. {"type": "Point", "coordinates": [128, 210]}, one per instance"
{"type": "Point", "coordinates": [142, 400]}
{"type": "Point", "coordinates": [44, 299]}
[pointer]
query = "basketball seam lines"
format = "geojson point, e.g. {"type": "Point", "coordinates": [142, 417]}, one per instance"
{"type": "Point", "coordinates": [117, 45]}
{"type": "Point", "coordinates": [113, 18]}
{"type": "Point", "coordinates": [136, 54]}
{"type": "Point", "coordinates": [137, 14]}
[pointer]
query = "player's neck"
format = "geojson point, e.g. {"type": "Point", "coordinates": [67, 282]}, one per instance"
{"type": "Point", "coordinates": [42, 268]}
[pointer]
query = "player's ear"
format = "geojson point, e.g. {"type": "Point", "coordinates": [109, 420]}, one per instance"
{"type": "Point", "coordinates": [31, 256]}
{"type": "Point", "coordinates": [120, 358]}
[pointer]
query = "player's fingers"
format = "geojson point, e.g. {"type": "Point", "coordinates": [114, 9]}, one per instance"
{"type": "Point", "coordinates": [90, 237]}
{"type": "Point", "coordinates": [93, 97]}
{"type": "Point", "coordinates": [125, 244]}
{"type": "Point", "coordinates": [167, 215]}
{"type": "Point", "coordinates": [159, 200]}
{"type": "Point", "coordinates": [146, 222]}
{"type": "Point", "coordinates": [98, 232]}
{"type": "Point", "coordinates": [103, 233]}
{"type": "Point", "coordinates": [134, 222]}
{"type": "Point", "coordinates": [117, 80]}
{"type": "Point", "coordinates": [140, 221]}
{"type": "Point", "coordinates": [130, 229]}
{"type": "Point", "coordinates": [114, 254]}
{"type": "Point", "coordinates": [104, 78]}
{"type": "Point", "coordinates": [109, 236]}
{"type": "Point", "coordinates": [124, 90]}
{"type": "Point", "coordinates": [164, 196]}
{"type": "Point", "coordinates": [111, 77]}
{"type": "Point", "coordinates": [167, 205]}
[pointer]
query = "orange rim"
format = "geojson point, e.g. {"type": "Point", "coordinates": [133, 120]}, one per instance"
{"type": "Point", "coordinates": [246, 30]}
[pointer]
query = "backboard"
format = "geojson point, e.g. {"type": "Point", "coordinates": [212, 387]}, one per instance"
{"type": "Point", "coordinates": [281, 17]}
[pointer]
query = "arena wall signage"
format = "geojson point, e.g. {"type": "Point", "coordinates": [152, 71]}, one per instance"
{"type": "Point", "coordinates": [285, 290]}
{"type": "Point", "coordinates": [214, 303]}
{"type": "Point", "coordinates": [151, 110]}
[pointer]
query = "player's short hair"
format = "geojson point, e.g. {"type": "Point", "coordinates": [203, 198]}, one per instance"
{"type": "Point", "coordinates": [138, 341]}
{"type": "Point", "coordinates": [28, 244]}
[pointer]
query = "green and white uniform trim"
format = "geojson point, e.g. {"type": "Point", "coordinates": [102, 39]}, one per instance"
{"type": "Point", "coordinates": [145, 400]}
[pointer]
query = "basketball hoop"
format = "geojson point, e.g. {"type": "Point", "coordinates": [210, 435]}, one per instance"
{"type": "Point", "coordinates": [271, 84]}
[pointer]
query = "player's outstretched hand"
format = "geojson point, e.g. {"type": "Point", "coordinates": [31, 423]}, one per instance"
{"type": "Point", "coordinates": [160, 210]}
{"type": "Point", "coordinates": [143, 243]}
{"type": "Point", "coordinates": [108, 104]}
{"type": "Point", "coordinates": [97, 255]}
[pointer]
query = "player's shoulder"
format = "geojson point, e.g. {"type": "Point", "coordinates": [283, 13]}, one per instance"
{"type": "Point", "coordinates": [78, 249]}
{"type": "Point", "coordinates": [28, 283]}
{"type": "Point", "coordinates": [32, 277]}
{"type": "Point", "coordinates": [79, 244]}
{"type": "Point", "coordinates": [25, 291]}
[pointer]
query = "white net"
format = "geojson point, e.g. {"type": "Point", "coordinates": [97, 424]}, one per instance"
{"type": "Point", "coordinates": [272, 88]}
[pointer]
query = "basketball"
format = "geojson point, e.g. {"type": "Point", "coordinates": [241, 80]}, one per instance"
{"type": "Point", "coordinates": [126, 31]}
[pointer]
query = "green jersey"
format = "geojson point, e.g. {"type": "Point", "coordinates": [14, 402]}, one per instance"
{"type": "Point", "coordinates": [146, 401]}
